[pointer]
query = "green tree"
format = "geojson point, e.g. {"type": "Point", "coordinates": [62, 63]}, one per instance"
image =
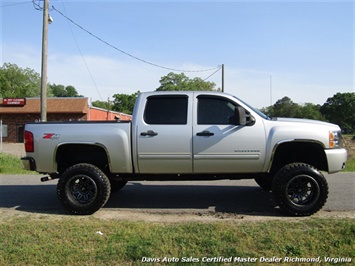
{"type": "Point", "coordinates": [340, 109]}
{"type": "Point", "coordinates": [16, 82]}
{"type": "Point", "coordinates": [101, 104]}
{"type": "Point", "coordinates": [180, 82]}
{"type": "Point", "coordinates": [310, 111]}
{"type": "Point", "coordinates": [72, 92]}
{"type": "Point", "coordinates": [58, 90]}
{"type": "Point", "coordinates": [284, 107]}
{"type": "Point", "coordinates": [124, 102]}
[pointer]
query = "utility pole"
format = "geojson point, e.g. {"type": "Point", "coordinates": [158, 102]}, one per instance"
{"type": "Point", "coordinates": [222, 77]}
{"type": "Point", "coordinates": [270, 90]}
{"type": "Point", "coordinates": [108, 117]}
{"type": "Point", "coordinates": [44, 62]}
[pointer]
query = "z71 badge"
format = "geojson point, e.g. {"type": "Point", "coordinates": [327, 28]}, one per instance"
{"type": "Point", "coordinates": [50, 136]}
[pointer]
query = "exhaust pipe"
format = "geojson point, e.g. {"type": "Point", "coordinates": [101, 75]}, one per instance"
{"type": "Point", "coordinates": [48, 178]}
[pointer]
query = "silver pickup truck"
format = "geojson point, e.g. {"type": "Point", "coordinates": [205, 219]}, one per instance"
{"type": "Point", "coordinates": [187, 136]}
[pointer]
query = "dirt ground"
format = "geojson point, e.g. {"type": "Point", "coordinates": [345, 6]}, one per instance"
{"type": "Point", "coordinates": [172, 217]}
{"type": "Point", "coordinates": [8, 214]}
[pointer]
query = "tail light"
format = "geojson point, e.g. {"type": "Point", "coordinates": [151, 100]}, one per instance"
{"type": "Point", "coordinates": [29, 142]}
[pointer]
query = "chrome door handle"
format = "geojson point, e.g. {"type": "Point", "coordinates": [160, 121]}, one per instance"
{"type": "Point", "coordinates": [149, 133]}
{"type": "Point", "coordinates": [205, 133]}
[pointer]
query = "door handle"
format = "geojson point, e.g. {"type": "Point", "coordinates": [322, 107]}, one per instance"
{"type": "Point", "coordinates": [149, 133]}
{"type": "Point", "coordinates": [205, 133]}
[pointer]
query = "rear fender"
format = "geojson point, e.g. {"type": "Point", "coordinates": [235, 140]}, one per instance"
{"type": "Point", "coordinates": [67, 154]}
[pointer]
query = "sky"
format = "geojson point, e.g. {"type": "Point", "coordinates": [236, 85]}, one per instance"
{"type": "Point", "coordinates": [270, 49]}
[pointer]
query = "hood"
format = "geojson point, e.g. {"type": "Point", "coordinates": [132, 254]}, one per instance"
{"type": "Point", "coordinates": [304, 121]}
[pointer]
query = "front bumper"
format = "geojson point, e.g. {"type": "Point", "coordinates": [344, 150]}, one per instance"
{"type": "Point", "coordinates": [336, 159]}
{"type": "Point", "coordinates": [29, 163]}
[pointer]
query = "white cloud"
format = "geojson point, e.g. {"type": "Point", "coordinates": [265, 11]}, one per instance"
{"type": "Point", "coordinates": [112, 76]}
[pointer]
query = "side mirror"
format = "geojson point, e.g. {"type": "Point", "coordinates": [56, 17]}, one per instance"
{"type": "Point", "coordinates": [242, 118]}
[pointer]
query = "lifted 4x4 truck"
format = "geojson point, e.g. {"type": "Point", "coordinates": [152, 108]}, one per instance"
{"type": "Point", "coordinates": [187, 136]}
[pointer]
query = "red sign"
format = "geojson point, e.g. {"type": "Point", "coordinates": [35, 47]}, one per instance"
{"type": "Point", "coordinates": [14, 101]}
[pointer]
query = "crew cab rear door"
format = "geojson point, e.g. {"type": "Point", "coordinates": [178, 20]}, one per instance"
{"type": "Point", "coordinates": [220, 145]}
{"type": "Point", "coordinates": [164, 135]}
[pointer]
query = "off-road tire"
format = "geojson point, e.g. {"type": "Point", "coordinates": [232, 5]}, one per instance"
{"type": "Point", "coordinates": [300, 189]}
{"type": "Point", "coordinates": [83, 189]}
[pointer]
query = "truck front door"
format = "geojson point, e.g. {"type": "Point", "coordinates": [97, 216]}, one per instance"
{"type": "Point", "coordinates": [221, 146]}
{"type": "Point", "coordinates": [164, 135]}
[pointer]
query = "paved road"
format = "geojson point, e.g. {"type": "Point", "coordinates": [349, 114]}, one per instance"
{"type": "Point", "coordinates": [27, 193]}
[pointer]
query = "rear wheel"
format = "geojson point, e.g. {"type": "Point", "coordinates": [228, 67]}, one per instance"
{"type": "Point", "coordinates": [300, 189]}
{"type": "Point", "coordinates": [83, 189]}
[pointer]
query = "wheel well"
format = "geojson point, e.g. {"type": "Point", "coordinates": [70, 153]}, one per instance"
{"type": "Point", "coordinates": [304, 152]}
{"type": "Point", "coordinates": [71, 154]}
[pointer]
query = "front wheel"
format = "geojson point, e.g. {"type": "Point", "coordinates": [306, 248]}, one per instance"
{"type": "Point", "coordinates": [300, 189]}
{"type": "Point", "coordinates": [83, 189]}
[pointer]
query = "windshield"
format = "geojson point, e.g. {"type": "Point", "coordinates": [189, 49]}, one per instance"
{"type": "Point", "coordinates": [254, 109]}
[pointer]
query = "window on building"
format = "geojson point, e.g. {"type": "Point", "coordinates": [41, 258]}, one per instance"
{"type": "Point", "coordinates": [4, 131]}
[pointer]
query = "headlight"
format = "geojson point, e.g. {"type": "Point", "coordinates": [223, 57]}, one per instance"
{"type": "Point", "coordinates": [335, 139]}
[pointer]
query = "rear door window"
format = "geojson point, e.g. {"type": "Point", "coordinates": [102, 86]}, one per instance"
{"type": "Point", "coordinates": [166, 110]}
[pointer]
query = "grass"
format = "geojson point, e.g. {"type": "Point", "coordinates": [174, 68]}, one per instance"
{"type": "Point", "coordinates": [11, 164]}
{"type": "Point", "coordinates": [71, 240]}
{"type": "Point", "coordinates": [350, 165]}
{"type": "Point", "coordinates": [349, 144]}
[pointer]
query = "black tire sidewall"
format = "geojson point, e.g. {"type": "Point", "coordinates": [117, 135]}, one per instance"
{"type": "Point", "coordinates": [289, 174]}
{"type": "Point", "coordinates": [95, 175]}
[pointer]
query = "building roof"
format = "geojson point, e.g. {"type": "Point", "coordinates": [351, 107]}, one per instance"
{"type": "Point", "coordinates": [62, 105]}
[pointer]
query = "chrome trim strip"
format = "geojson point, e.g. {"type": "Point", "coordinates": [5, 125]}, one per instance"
{"type": "Point", "coordinates": [227, 157]}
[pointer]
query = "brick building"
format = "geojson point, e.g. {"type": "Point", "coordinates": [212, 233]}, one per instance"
{"type": "Point", "coordinates": [15, 113]}
{"type": "Point", "coordinates": [96, 113]}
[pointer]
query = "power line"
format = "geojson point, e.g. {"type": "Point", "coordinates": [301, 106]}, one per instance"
{"type": "Point", "coordinates": [213, 73]}
{"type": "Point", "coordinates": [36, 5]}
{"type": "Point", "coordinates": [16, 4]}
{"type": "Point", "coordinates": [128, 54]}
{"type": "Point", "coordinates": [82, 56]}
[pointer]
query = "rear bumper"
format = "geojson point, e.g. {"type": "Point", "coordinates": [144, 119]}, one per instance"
{"type": "Point", "coordinates": [336, 159]}
{"type": "Point", "coordinates": [29, 163]}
